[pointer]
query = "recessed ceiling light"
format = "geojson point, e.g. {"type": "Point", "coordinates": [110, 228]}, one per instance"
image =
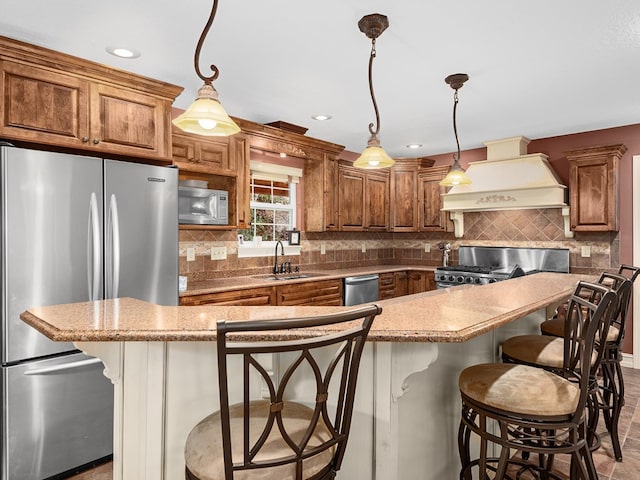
{"type": "Point", "coordinates": [413, 146]}
{"type": "Point", "coordinates": [321, 118]}
{"type": "Point", "coordinates": [123, 52]}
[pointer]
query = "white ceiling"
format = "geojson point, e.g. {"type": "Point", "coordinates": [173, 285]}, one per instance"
{"type": "Point", "coordinates": [537, 68]}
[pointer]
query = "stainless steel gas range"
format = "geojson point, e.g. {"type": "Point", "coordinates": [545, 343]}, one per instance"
{"type": "Point", "coordinates": [483, 265]}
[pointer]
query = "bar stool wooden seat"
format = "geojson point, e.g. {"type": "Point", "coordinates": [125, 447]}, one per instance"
{"type": "Point", "coordinates": [535, 411]}
{"type": "Point", "coordinates": [550, 352]}
{"type": "Point", "coordinates": [279, 430]}
{"type": "Point", "coordinates": [611, 380]}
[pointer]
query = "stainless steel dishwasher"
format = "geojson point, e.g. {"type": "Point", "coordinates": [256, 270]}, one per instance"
{"type": "Point", "coordinates": [360, 289]}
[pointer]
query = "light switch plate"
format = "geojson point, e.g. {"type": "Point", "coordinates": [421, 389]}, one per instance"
{"type": "Point", "coordinates": [364, 247]}
{"type": "Point", "coordinates": [191, 254]}
{"type": "Point", "coordinates": [218, 253]}
{"type": "Point", "coordinates": [323, 248]}
{"type": "Point", "coordinates": [585, 251]}
{"type": "Point", "coordinates": [427, 247]}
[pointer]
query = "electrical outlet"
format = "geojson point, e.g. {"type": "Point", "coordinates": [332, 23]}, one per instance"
{"type": "Point", "coordinates": [191, 254]}
{"type": "Point", "coordinates": [427, 247]}
{"type": "Point", "coordinates": [585, 251]}
{"type": "Point", "coordinates": [323, 248]}
{"type": "Point", "coordinates": [364, 247]}
{"type": "Point", "coordinates": [218, 253]}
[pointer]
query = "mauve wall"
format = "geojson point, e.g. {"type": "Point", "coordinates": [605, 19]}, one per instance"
{"type": "Point", "coordinates": [522, 228]}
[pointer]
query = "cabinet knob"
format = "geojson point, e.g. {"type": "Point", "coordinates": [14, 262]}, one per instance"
{"type": "Point", "coordinates": [96, 141]}
{"type": "Point", "coordinates": [85, 139]}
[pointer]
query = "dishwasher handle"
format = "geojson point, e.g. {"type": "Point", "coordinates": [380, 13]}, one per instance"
{"type": "Point", "coordinates": [360, 279]}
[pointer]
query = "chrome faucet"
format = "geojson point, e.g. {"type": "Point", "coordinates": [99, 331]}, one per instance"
{"type": "Point", "coordinates": [275, 257]}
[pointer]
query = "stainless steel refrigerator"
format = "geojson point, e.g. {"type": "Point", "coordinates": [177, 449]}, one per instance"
{"type": "Point", "coordinates": [73, 229]}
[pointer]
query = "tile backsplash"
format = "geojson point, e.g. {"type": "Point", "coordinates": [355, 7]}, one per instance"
{"type": "Point", "coordinates": [543, 228]}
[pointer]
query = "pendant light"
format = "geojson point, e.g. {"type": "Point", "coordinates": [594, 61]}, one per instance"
{"type": "Point", "coordinates": [456, 175]}
{"type": "Point", "coordinates": [374, 155]}
{"type": "Point", "coordinates": [206, 116]}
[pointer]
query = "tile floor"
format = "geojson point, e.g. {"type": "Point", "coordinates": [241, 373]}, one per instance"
{"type": "Point", "coordinates": [608, 468]}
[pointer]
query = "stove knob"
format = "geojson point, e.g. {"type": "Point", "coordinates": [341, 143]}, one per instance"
{"type": "Point", "coordinates": [492, 280]}
{"type": "Point", "coordinates": [460, 279]}
{"type": "Point", "coordinates": [450, 278]}
{"type": "Point", "coordinates": [477, 281]}
{"type": "Point", "coordinates": [468, 280]}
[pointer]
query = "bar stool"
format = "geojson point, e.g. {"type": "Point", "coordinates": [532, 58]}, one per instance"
{"type": "Point", "coordinates": [266, 435]}
{"type": "Point", "coordinates": [534, 410]}
{"type": "Point", "coordinates": [611, 381]}
{"type": "Point", "coordinates": [550, 352]}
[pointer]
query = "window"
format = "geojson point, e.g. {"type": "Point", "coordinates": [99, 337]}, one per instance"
{"type": "Point", "coordinates": [273, 206]}
{"type": "Point", "coordinates": [273, 201]}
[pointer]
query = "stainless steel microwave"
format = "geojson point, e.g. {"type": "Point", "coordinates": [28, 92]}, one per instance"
{"type": "Point", "coordinates": [203, 206]}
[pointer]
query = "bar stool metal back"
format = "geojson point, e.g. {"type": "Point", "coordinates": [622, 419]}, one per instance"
{"type": "Point", "coordinates": [280, 429]}
{"type": "Point", "coordinates": [550, 352]}
{"type": "Point", "coordinates": [535, 411]}
{"type": "Point", "coordinates": [611, 380]}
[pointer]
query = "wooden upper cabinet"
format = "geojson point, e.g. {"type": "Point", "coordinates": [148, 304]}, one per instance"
{"type": "Point", "coordinates": [223, 162]}
{"type": "Point", "coordinates": [55, 99]}
{"type": "Point", "coordinates": [593, 188]}
{"type": "Point", "coordinates": [201, 154]}
{"type": "Point", "coordinates": [321, 194]}
{"type": "Point", "coordinates": [363, 199]}
{"type": "Point", "coordinates": [430, 216]}
{"type": "Point", "coordinates": [351, 199]}
{"type": "Point", "coordinates": [376, 205]}
{"type": "Point", "coordinates": [128, 123]}
{"type": "Point", "coordinates": [404, 193]}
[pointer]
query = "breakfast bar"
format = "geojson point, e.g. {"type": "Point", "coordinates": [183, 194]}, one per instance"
{"type": "Point", "coordinates": [161, 361]}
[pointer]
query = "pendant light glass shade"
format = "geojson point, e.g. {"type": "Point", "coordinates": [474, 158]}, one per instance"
{"type": "Point", "coordinates": [206, 116]}
{"type": "Point", "coordinates": [456, 176]}
{"type": "Point", "coordinates": [374, 156]}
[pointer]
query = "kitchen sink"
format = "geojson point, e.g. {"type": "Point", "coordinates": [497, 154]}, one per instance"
{"type": "Point", "coordinates": [288, 276]}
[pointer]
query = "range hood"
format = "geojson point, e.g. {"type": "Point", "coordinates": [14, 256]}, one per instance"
{"type": "Point", "coordinates": [509, 179]}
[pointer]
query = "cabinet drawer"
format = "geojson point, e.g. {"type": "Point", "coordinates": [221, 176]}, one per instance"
{"type": "Point", "coordinates": [323, 292]}
{"type": "Point", "coordinates": [247, 298]}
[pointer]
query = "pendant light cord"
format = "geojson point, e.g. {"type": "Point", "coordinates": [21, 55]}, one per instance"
{"type": "Point", "coordinates": [373, 97]}
{"type": "Point", "coordinates": [196, 58]}
{"type": "Point", "coordinates": [456, 157]}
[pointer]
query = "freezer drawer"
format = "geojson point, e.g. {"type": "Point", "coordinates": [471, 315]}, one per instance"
{"type": "Point", "coordinates": [58, 415]}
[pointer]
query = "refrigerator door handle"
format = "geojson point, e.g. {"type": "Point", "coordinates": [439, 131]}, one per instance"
{"type": "Point", "coordinates": [62, 367]}
{"type": "Point", "coordinates": [93, 249]}
{"type": "Point", "coordinates": [113, 245]}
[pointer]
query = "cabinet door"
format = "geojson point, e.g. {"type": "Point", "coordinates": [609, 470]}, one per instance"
{"type": "Point", "coordinates": [250, 297]}
{"type": "Point", "coordinates": [323, 292]}
{"type": "Point", "coordinates": [239, 162]}
{"type": "Point", "coordinates": [431, 218]}
{"type": "Point", "coordinates": [593, 188]}
{"type": "Point", "coordinates": [404, 200]}
{"type": "Point", "coordinates": [351, 199]}
{"type": "Point", "coordinates": [402, 283]}
{"type": "Point", "coordinates": [43, 106]}
{"type": "Point", "coordinates": [128, 123]}
{"type": "Point", "coordinates": [376, 205]}
{"type": "Point", "coordinates": [416, 282]}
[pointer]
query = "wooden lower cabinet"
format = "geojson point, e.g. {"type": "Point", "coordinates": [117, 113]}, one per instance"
{"type": "Point", "coordinates": [322, 292]}
{"type": "Point", "coordinates": [251, 297]}
{"type": "Point", "coordinates": [418, 282]}
{"type": "Point", "coordinates": [386, 285]}
{"type": "Point", "coordinates": [397, 284]}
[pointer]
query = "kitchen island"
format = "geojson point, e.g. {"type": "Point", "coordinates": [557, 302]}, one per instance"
{"type": "Point", "coordinates": [161, 361]}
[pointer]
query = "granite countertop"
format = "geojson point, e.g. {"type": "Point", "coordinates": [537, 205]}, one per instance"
{"type": "Point", "coordinates": [446, 315]}
{"type": "Point", "coordinates": [255, 281]}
